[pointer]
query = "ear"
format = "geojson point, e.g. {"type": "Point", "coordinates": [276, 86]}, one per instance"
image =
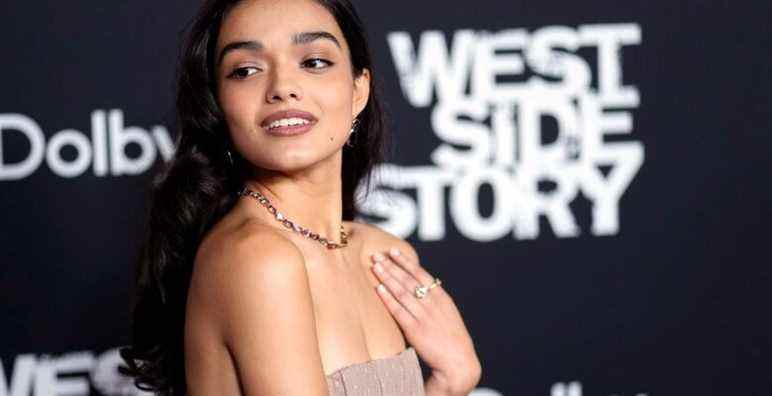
{"type": "Point", "coordinates": [361, 92]}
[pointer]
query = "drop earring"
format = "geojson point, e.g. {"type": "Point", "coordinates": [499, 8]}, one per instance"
{"type": "Point", "coordinates": [353, 130]}
{"type": "Point", "coordinates": [229, 157]}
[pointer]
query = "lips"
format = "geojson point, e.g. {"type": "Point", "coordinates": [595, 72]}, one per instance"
{"type": "Point", "coordinates": [288, 130]}
{"type": "Point", "coordinates": [292, 113]}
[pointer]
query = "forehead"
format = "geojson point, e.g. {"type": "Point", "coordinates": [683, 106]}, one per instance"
{"type": "Point", "coordinates": [275, 21]}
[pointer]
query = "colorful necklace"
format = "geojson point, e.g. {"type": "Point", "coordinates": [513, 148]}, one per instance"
{"type": "Point", "coordinates": [294, 227]}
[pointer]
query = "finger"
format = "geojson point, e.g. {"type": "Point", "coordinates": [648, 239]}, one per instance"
{"type": "Point", "coordinates": [412, 267]}
{"type": "Point", "coordinates": [405, 319]}
{"type": "Point", "coordinates": [405, 278]}
{"type": "Point", "coordinates": [400, 292]}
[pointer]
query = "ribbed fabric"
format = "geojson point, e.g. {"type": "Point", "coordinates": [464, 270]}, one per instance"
{"type": "Point", "coordinates": [398, 375]}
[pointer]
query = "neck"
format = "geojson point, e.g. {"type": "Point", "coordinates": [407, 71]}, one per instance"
{"type": "Point", "coordinates": [311, 198]}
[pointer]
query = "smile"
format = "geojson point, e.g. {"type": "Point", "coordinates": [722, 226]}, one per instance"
{"type": "Point", "coordinates": [289, 126]}
{"type": "Point", "coordinates": [288, 122]}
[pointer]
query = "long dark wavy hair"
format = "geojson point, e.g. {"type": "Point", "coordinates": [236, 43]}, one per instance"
{"type": "Point", "coordinates": [198, 187]}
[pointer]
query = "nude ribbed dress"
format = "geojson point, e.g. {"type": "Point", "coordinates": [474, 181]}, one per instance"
{"type": "Point", "coordinates": [398, 375]}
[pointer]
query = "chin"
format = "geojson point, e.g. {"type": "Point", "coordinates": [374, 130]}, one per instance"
{"type": "Point", "coordinates": [292, 157]}
{"type": "Point", "coordinates": [287, 163]}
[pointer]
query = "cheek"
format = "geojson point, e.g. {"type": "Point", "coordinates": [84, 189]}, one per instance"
{"type": "Point", "coordinates": [336, 102]}
{"type": "Point", "coordinates": [238, 108]}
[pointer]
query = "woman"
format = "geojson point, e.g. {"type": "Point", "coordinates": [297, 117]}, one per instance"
{"type": "Point", "coordinates": [254, 279]}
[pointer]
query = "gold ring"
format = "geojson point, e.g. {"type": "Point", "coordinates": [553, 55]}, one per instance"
{"type": "Point", "coordinates": [436, 282]}
{"type": "Point", "coordinates": [422, 291]}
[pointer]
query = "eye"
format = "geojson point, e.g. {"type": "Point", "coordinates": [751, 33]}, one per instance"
{"type": "Point", "coordinates": [316, 61]}
{"type": "Point", "coordinates": [242, 72]}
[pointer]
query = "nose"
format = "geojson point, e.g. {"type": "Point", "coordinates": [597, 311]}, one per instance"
{"type": "Point", "coordinates": [282, 87]}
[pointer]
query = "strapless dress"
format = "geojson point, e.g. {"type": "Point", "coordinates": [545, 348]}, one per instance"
{"type": "Point", "coordinates": [398, 375]}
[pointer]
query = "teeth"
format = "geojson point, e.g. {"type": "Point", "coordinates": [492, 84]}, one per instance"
{"type": "Point", "coordinates": [287, 122]}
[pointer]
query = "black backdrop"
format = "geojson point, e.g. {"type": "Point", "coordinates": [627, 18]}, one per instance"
{"type": "Point", "coordinates": [667, 295]}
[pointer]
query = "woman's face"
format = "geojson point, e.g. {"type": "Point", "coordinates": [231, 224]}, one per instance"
{"type": "Point", "coordinates": [286, 55]}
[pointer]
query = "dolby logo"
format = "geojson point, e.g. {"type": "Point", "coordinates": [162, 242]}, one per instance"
{"type": "Point", "coordinates": [103, 151]}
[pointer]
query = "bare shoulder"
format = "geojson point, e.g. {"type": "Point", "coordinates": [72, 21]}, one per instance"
{"type": "Point", "coordinates": [245, 259]}
{"type": "Point", "coordinates": [376, 239]}
{"type": "Point", "coordinates": [232, 265]}
{"type": "Point", "coordinates": [250, 284]}
{"type": "Point", "coordinates": [250, 242]}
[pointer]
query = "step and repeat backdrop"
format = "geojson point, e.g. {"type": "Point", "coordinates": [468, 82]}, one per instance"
{"type": "Point", "coordinates": [591, 180]}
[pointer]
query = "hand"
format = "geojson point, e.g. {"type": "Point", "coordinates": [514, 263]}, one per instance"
{"type": "Point", "coordinates": [432, 325]}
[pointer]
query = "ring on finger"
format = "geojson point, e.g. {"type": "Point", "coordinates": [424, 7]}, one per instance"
{"type": "Point", "coordinates": [421, 291]}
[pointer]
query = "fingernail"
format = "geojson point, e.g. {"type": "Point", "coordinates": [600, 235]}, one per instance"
{"type": "Point", "coordinates": [381, 288]}
{"type": "Point", "coordinates": [394, 252]}
{"type": "Point", "coordinates": [378, 267]}
{"type": "Point", "coordinates": [378, 257]}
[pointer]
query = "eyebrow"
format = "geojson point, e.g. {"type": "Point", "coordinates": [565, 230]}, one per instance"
{"type": "Point", "coordinates": [297, 39]}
